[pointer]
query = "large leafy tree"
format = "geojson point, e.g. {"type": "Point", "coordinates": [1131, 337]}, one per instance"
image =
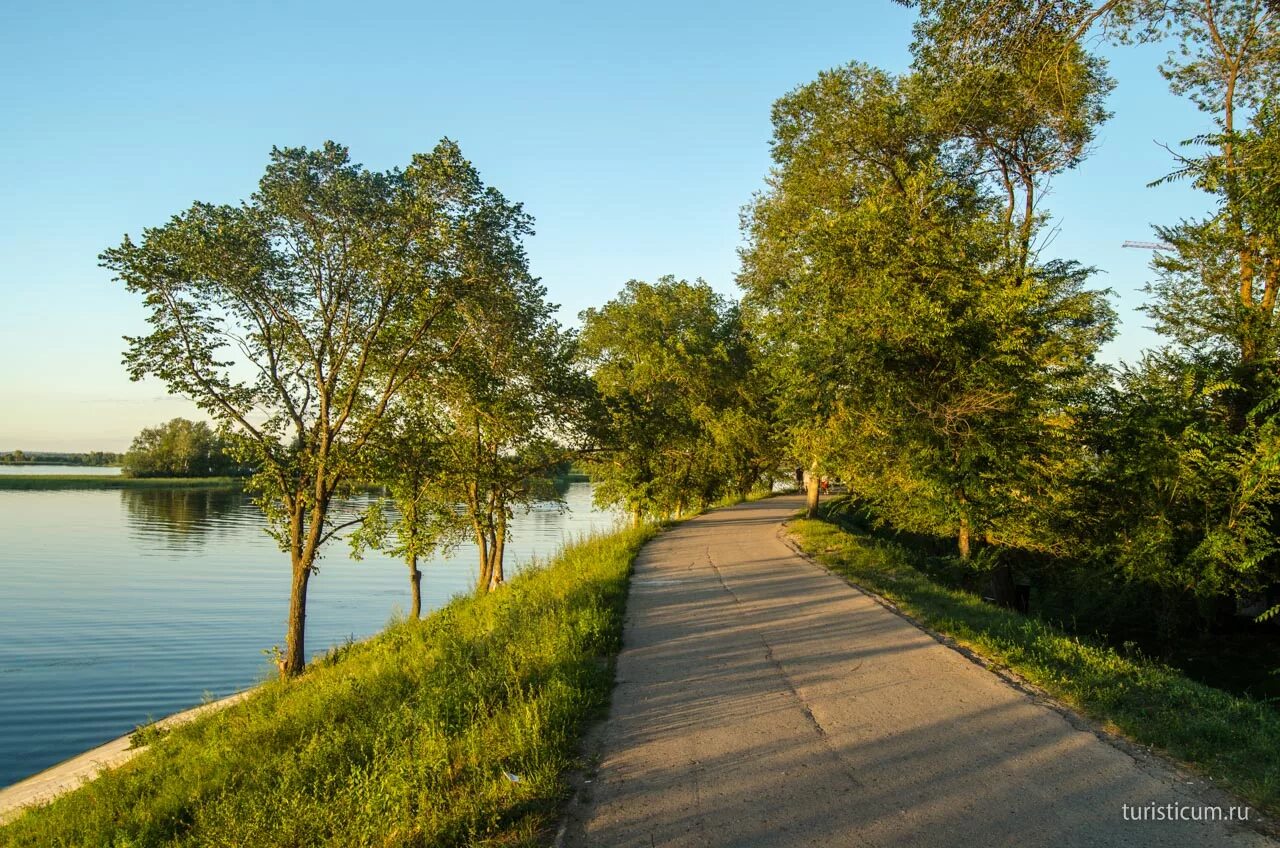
{"type": "Point", "coordinates": [916, 353]}
{"type": "Point", "coordinates": [1183, 480]}
{"type": "Point", "coordinates": [297, 318]}
{"type": "Point", "coordinates": [679, 422]}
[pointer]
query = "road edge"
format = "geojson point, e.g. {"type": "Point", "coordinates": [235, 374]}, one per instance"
{"type": "Point", "coordinates": [1147, 758]}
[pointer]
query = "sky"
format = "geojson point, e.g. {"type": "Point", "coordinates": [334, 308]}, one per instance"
{"type": "Point", "coordinates": [633, 133]}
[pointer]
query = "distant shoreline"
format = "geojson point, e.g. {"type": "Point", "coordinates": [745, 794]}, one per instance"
{"type": "Point", "coordinates": [105, 481]}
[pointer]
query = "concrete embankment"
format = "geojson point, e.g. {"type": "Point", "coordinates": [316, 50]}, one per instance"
{"type": "Point", "coordinates": [54, 781]}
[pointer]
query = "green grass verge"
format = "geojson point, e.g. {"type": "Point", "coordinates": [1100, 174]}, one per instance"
{"type": "Point", "coordinates": [400, 740]}
{"type": "Point", "coordinates": [1233, 739]}
{"type": "Point", "coordinates": [104, 481]}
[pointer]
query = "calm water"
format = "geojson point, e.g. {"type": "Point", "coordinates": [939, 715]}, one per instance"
{"type": "Point", "coordinates": [117, 606]}
{"type": "Point", "coordinates": [95, 470]}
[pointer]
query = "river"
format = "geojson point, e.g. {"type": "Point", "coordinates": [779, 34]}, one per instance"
{"type": "Point", "coordinates": [121, 605]}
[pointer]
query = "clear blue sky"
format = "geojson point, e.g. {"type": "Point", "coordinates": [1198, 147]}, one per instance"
{"type": "Point", "coordinates": [633, 133]}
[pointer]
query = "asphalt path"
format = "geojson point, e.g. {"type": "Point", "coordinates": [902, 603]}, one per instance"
{"type": "Point", "coordinates": [762, 701]}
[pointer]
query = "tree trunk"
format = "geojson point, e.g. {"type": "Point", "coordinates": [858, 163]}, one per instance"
{"type": "Point", "coordinates": [486, 564]}
{"type": "Point", "coordinates": [964, 537]}
{"type": "Point", "coordinates": [1272, 282]}
{"type": "Point", "coordinates": [295, 659]}
{"type": "Point", "coordinates": [415, 581]}
{"type": "Point", "coordinates": [1003, 588]}
{"type": "Point", "coordinates": [486, 573]}
{"type": "Point", "coordinates": [812, 481]}
{"type": "Point", "coordinates": [636, 516]}
{"type": "Point", "coordinates": [1248, 341]}
{"type": "Point", "coordinates": [499, 549]}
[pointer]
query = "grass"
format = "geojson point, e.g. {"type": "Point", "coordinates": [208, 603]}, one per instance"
{"type": "Point", "coordinates": [1235, 740]}
{"type": "Point", "coordinates": [405, 739]}
{"type": "Point", "coordinates": [105, 481]}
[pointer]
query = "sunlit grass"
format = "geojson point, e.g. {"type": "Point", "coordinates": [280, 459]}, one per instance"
{"type": "Point", "coordinates": [1235, 740]}
{"type": "Point", "coordinates": [453, 730]}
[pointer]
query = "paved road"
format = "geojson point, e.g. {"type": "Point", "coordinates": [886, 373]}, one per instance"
{"type": "Point", "coordinates": [764, 702]}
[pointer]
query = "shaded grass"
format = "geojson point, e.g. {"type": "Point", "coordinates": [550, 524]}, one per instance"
{"type": "Point", "coordinates": [403, 739]}
{"type": "Point", "coordinates": [1233, 739]}
{"type": "Point", "coordinates": [106, 481]}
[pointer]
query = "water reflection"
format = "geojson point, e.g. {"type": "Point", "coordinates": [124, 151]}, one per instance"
{"type": "Point", "coordinates": [179, 519]}
{"type": "Point", "coordinates": [116, 605]}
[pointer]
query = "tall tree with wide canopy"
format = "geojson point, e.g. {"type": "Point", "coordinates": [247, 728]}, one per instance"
{"type": "Point", "coordinates": [298, 318]}
{"type": "Point", "coordinates": [915, 354]}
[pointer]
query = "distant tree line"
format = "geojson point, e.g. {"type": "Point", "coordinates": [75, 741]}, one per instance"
{"type": "Point", "coordinates": [96, 458]}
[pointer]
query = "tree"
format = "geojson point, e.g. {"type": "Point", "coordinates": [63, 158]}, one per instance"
{"type": "Point", "coordinates": [1196, 419]}
{"type": "Point", "coordinates": [1220, 282]}
{"type": "Point", "coordinates": [508, 422]}
{"type": "Point", "coordinates": [916, 353]}
{"type": "Point", "coordinates": [678, 426]}
{"type": "Point", "coordinates": [297, 318]}
{"type": "Point", "coordinates": [1011, 89]}
{"type": "Point", "coordinates": [181, 448]}
{"type": "Point", "coordinates": [483, 440]}
{"type": "Point", "coordinates": [407, 465]}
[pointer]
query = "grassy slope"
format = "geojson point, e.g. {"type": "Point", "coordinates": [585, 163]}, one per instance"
{"type": "Point", "coordinates": [1233, 739]}
{"type": "Point", "coordinates": [104, 481]}
{"type": "Point", "coordinates": [400, 740]}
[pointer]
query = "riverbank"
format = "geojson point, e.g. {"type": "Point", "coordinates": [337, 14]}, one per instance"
{"type": "Point", "coordinates": [1232, 740]}
{"type": "Point", "coordinates": [33, 482]}
{"type": "Point", "coordinates": [65, 776]}
{"type": "Point", "coordinates": [455, 729]}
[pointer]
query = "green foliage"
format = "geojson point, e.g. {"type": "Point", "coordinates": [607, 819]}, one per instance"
{"type": "Point", "coordinates": [298, 318]}
{"type": "Point", "coordinates": [486, 438]}
{"type": "Point", "coordinates": [1185, 498]}
{"type": "Point", "coordinates": [914, 351]}
{"type": "Point", "coordinates": [682, 420]}
{"type": "Point", "coordinates": [401, 740]}
{"type": "Point", "coordinates": [1189, 436]}
{"type": "Point", "coordinates": [1012, 92]}
{"type": "Point", "coordinates": [181, 448]}
{"type": "Point", "coordinates": [1232, 739]}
